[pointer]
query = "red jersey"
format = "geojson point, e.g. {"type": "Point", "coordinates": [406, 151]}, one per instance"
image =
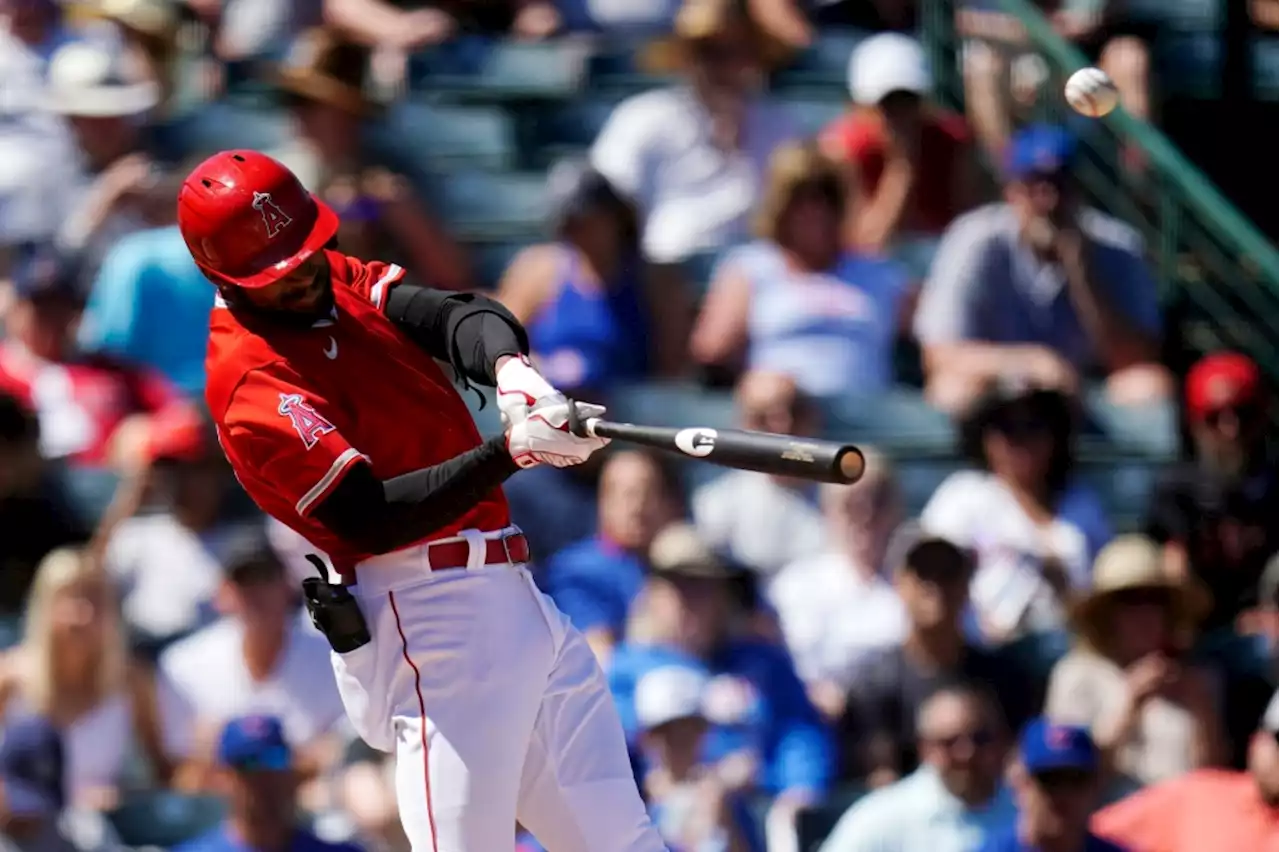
{"type": "Point", "coordinates": [296, 408]}
{"type": "Point", "coordinates": [81, 402]}
{"type": "Point", "coordinates": [859, 137]}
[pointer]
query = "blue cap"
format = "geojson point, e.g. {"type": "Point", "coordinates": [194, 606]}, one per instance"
{"type": "Point", "coordinates": [40, 270]}
{"type": "Point", "coordinates": [1047, 746]}
{"type": "Point", "coordinates": [1039, 149]}
{"type": "Point", "coordinates": [31, 767]}
{"type": "Point", "coordinates": [254, 743]}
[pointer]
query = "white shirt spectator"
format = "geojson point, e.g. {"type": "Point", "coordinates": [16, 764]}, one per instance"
{"type": "Point", "coordinates": [203, 680]}
{"type": "Point", "coordinates": [831, 615]}
{"type": "Point", "coordinates": [918, 814]}
{"type": "Point", "coordinates": [760, 523]}
{"type": "Point", "coordinates": [1009, 592]}
{"type": "Point", "coordinates": [694, 196]}
{"type": "Point", "coordinates": [167, 574]}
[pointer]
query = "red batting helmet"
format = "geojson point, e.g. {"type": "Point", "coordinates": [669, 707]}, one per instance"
{"type": "Point", "coordinates": [248, 221]}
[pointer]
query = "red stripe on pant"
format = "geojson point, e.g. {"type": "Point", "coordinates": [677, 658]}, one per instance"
{"type": "Point", "coordinates": [422, 717]}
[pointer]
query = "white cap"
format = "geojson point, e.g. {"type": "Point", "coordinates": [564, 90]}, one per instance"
{"type": "Point", "coordinates": [884, 63]}
{"type": "Point", "coordinates": [669, 693]}
{"type": "Point", "coordinates": [92, 80]}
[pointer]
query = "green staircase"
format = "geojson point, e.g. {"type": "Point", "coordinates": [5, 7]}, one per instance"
{"type": "Point", "coordinates": [1219, 275]}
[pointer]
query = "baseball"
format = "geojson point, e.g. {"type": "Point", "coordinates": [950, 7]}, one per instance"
{"type": "Point", "coordinates": [1091, 92]}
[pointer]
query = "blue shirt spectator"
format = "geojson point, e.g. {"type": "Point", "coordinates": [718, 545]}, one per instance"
{"type": "Point", "coordinates": [757, 707]}
{"type": "Point", "coordinates": [1039, 285]}
{"type": "Point", "coordinates": [150, 305]}
{"type": "Point", "coordinates": [594, 581]}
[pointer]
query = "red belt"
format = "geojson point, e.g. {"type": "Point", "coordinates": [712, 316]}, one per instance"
{"type": "Point", "coordinates": [452, 555]}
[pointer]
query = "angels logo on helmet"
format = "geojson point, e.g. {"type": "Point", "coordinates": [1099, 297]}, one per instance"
{"type": "Point", "coordinates": [274, 219]}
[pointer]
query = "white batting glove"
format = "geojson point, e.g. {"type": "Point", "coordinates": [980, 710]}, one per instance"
{"type": "Point", "coordinates": [544, 437]}
{"type": "Point", "coordinates": [520, 386]}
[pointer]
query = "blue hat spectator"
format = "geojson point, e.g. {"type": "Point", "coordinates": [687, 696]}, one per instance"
{"type": "Point", "coordinates": [254, 744]}
{"type": "Point", "coordinates": [1040, 150]}
{"type": "Point", "coordinates": [31, 768]}
{"type": "Point", "coordinates": [1057, 782]}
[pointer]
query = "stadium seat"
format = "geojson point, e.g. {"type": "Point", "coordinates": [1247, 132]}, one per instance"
{"type": "Point", "coordinates": [826, 62]}
{"type": "Point", "coordinates": [483, 68]}
{"type": "Point", "coordinates": [165, 819]}
{"type": "Point", "coordinates": [899, 420]}
{"type": "Point", "coordinates": [490, 259]}
{"type": "Point", "coordinates": [443, 135]}
{"type": "Point", "coordinates": [480, 204]}
{"type": "Point", "coordinates": [556, 130]}
{"type": "Point", "coordinates": [89, 491]}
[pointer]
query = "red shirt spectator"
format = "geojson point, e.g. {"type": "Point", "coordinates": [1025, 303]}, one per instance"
{"type": "Point", "coordinates": [89, 408]}
{"type": "Point", "coordinates": [909, 160]}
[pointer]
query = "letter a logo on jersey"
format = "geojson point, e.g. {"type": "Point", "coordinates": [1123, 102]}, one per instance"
{"type": "Point", "coordinates": [273, 218]}
{"type": "Point", "coordinates": [306, 421]}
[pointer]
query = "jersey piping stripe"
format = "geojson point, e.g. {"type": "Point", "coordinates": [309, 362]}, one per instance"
{"type": "Point", "coordinates": [422, 722]}
{"type": "Point", "coordinates": [378, 292]}
{"type": "Point", "coordinates": [318, 491]}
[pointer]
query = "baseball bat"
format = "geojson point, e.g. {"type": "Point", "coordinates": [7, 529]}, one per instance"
{"type": "Point", "coordinates": [783, 455]}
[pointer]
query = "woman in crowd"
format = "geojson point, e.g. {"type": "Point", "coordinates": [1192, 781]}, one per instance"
{"type": "Point", "coordinates": [1154, 714]}
{"type": "Point", "coordinates": [73, 667]}
{"type": "Point", "coordinates": [796, 300]}
{"type": "Point", "coordinates": [584, 297]}
{"type": "Point", "coordinates": [1033, 527]}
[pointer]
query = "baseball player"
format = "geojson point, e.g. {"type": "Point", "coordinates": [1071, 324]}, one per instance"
{"type": "Point", "coordinates": [330, 405]}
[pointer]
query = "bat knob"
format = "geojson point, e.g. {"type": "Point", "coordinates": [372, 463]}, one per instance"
{"type": "Point", "coordinates": [576, 424]}
{"type": "Point", "coordinates": [851, 464]}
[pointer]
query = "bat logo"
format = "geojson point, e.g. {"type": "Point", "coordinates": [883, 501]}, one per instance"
{"type": "Point", "coordinates": [696, 442]}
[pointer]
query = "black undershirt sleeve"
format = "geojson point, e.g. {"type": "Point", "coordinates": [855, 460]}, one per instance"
{"type": "Point", "coordinates": [471, 332]}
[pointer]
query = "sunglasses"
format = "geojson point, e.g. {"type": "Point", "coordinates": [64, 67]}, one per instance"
{"type": "Point", "coordinates": [1242, 413]}
{"type": "Point", "coordinates": [978, 738]}
{"type": "Point", "coordinates": [1142, 597]}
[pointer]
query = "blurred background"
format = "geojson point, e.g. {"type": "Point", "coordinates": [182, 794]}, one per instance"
{"type": "Point", "coordinates": [872, 220]}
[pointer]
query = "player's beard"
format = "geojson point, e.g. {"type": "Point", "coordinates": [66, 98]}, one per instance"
{"type": "Point", "coordinates": [282, 315]}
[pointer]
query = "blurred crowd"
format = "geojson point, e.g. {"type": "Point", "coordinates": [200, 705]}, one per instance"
{"type": "Point", "coordinates": [794, 664]}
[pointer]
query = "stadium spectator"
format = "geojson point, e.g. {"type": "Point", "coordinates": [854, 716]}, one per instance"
{"type": "Point", "coordinates": [407, 25]}
{"type": "Point", "coordinates": [73, 668]}
{"type": "Point", "coordinates": [1215, 514]}
{"type": "Point", "coordinates": [585, 298]}
{"type": "Point", "coordinates": [105, 100]}
{"type": "Point", "coordinates": [1153, 713]}
{"type": "Point", "coordinates": [149, 305]}
{"type": "Point", "coordinates": [909, 164]}
{"type": "Point", "coordinates": [34, 815]}
{"type": "Point", "coordinates": [92, 410]}
{"type": "Point", "coordinates": [258, 658]}
{"type": "Point", "coordinates": [763, 521]}
{"type": "Point", "coordinates": [258, 772]}
{"type": "Point", "coordinates": [837, 606]}
{"type": "Point", "coordinates": [1207, 808]}
{"type": "Point", "coordinates": [692, 805]}
{"type": "Point", "coordinates": [325, 83]}
{"type": "Point", "coordinates": [619, 17]}
{"type": "Point", "coordinates": [1040, 284]}
{"type": "Point", "coordinates": [1057, 780]}
{"type": "Point", "coordinates": [37, 150]}
{"type": "Point", "coordinates": [877, 731]}
{"type": "Point", "coordinates": [692, 157]}
{"type": "Point", "coordinates": [796, 301]}
{"type": "Point", "coordinates": [1106, 30]}
{"type": "Point", "coordinates": [955, 800]}
{"type": "Point", "coordinates": [595, 581]}
{"type": "Point", "coordinates": [167, 564]}
{"type": "Point", "coordinates": [147, 34]}
{"type": "Point", "coordinates": [35, 514]}
{"type": "Point", "coordinates": [761, 721]}
{"type": "Point", "coordinates": [1033, 526]}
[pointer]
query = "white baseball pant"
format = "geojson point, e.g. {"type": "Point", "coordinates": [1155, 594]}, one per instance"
{"type": "Point", "coordinates": [494, 707]}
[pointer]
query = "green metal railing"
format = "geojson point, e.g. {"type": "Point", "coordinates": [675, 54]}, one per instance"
{"type": "Point", "coordinates": [1220, 276]}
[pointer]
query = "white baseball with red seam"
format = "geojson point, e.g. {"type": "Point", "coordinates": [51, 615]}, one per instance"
{"type": "Point", "coordinates": [1091, 92]}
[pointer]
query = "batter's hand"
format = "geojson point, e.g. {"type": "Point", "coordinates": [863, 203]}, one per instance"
{"type": "Point", "coordinates": [543, 436]}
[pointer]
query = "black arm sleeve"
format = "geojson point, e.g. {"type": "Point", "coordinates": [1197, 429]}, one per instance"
{"type": "Point", "coordinates": [468, 330]}
{"type": "Point", "coordinates": [380, 516]}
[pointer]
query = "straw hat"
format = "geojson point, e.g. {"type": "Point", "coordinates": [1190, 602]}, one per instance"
{"type": "Point", "coordinates": [1134, 562]}
{"type": "Point", "coordinates": [92, 80]}
{"type": "Point", "coordinates": [678, 550]}
{"type": "Point", "coordinates": [154, 18]}
{"type": "Point", "coordinates": [697, 20]}
{"type": "Point", "coordinates": [322, 67]}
